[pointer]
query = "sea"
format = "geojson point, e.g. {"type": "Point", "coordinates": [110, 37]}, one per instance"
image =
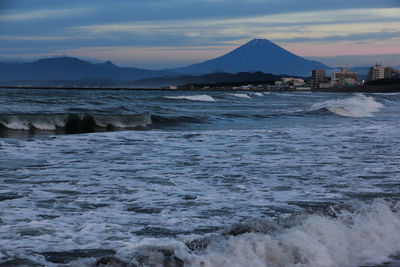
{"type": "Point", "coordinates": [186, 178]}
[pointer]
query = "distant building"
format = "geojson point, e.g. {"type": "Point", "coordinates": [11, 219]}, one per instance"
{"type": "Point", "coordinates": [303, 88]}
{"type": "Point", "coordinates": [344, 78]}
{"type": "Point", "coordinates": [375, 73]}
{"type": "Point", "coordinates": [318, 76]}
{"type": "Point", "coordinates": [391, 72]}
{"type": "Point", "coordinates": [325, 85]}
{"type": "Point", "coordinates": [247, 87]}
{"type": "Point", "coordinates": [344, 73]}
{"type": "Point", "coordinates": [292, 81]}
{"type": "Point", "coordinates": [348, 82]}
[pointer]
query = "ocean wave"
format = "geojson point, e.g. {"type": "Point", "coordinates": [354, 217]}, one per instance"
{"type": "Point", "coordinates": [362, 234]}
{"type": "Point", "coordinates": [352, 234]}
{"type": "Point", "coordinates": [260, 93]}
{"type": "Point", "coordinates": [73, 123]}
{"type": "Point", "coordinates": [355, 106]}
{"type": "Point", "coordinates": [241, 95]}
{"type": "Point", "coordinates": [202, 98]}
{"type": "Point", "coordinates": [343, 235]}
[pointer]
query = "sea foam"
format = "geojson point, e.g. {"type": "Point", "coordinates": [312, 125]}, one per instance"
{"type": "Point", "coordinates": [258, 94]}
{"type": "Point", "coordinates": [203, 98]}
{"type": "Point", "coordinates": [355, 106]}
{"type": "Point", "coordinates": [52, 122]}
{"type": "Point", "coordinates": [241, 95]}
{"type": "Point", "coordinates": [364, 233]}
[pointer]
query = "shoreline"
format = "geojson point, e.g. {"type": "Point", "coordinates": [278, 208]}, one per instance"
{"type": "Point", "coordinates": [388, 88]}
{"type": "Point", "coordinates": [392, 88]}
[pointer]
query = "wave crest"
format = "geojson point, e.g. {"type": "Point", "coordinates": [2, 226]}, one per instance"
{"type": "Point", "coordinates": [202, 98]}
{"type": "Point", "coordinates": [367, 235]}
{"type": "Point", "coordinates": [241, 95]}
{"type": "Point", "coordinates": [346, 235]}
{"type": "Point", "coordinates": [355, 106]}
{"type": "Point", "coordinates": [343, 235]}
{"type": "Point", "coordinates": [73, 123]}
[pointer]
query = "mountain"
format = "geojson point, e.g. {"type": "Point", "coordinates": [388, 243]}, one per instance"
{"type": "Point", "coordinates": [108, 65]}
{"type": "Point", "coordinates": [257, 55]}
{"type": "Point", "coordinates": [68, 68]}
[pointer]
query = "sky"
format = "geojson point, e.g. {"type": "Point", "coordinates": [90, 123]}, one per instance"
{"type": "Point", "coordinates": [171, 33]}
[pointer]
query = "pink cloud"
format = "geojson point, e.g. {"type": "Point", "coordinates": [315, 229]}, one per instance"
{"type": "Point", "coordinates": [344, 48]}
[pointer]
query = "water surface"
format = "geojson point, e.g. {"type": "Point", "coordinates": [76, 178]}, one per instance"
{"type": "Point", "coordinates": [200, 179]}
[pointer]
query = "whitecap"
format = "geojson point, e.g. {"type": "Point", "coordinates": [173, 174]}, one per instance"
{"type": "Point", "coordinates": [241, 95]}
{"type": "Point", "coordinates": [369, 235]}
{"type": "Point", "coordinates": [258, 94]}
{"type": "Point", "coordinates": [50, 122]}
{"type": "Point", "coordinates": [355, 235]}
{"type": "Point", "coordinates": [203, 98]}
{"type": "Point", "coordinates": [355, 106]}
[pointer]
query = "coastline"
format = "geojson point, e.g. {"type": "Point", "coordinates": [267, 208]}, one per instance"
{"type": "Point", "coordinates": [389, 88]}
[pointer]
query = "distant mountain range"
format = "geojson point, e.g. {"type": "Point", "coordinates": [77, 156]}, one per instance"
{"type": "Point", "coordinates": [258, 55]}
{"type": "Point", "coordinates": [68, 68]}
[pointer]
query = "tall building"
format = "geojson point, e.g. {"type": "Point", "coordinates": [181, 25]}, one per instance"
{"type": "Point", "coordinates": [375, 73]}
{"type": "Point", "coordinates": [343, 74]}
{"type": "Point", "coordinates": [318, 76]}
{"type": "Point", "coordinates": [344, 78]}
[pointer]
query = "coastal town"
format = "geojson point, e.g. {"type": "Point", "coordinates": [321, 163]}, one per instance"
{"type": "Point", "coordinates": [342, 79]}
{"type": "Point", "coordinates": [377, 78]}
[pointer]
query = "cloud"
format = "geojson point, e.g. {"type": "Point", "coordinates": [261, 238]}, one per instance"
{"type": "Point", "coordinates": [323, 26]}
{"type": "Point", "coordinates": [42, 14]}
{"type": "Point", "coordinates": [32, 38]}
{"type": "Point", "coordinates": [359, 38]}
{"type": "Point", "coordinates": [340, 48]}
{"type": "Point", "coordinates": [361, 60]}
{"type": "Point", "coordinates": [289, 22]}
{"type": "Point", "coordinates": [152, 29]}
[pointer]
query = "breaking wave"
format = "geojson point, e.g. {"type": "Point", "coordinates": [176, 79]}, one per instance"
{"type": "Point", "coordinates": [355, 106]}
{"type": "Point", "coordinates": [241, 95]}
{"type": "Point", "coordinates": [258, 94]}
{"type": "Point", "coordinates": [73, 123]}
{"type": "Point", "coordinates": [203, 98]}
{"type": "Point", "coordinates": [362, 234]}
{"type": "Point", "coordinates": [342, 235]}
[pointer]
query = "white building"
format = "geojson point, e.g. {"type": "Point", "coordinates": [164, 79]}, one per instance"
{"type": "Point", "coordinates": [344, 78]}
{"type": "Point", "coordinates": [292, 81]}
